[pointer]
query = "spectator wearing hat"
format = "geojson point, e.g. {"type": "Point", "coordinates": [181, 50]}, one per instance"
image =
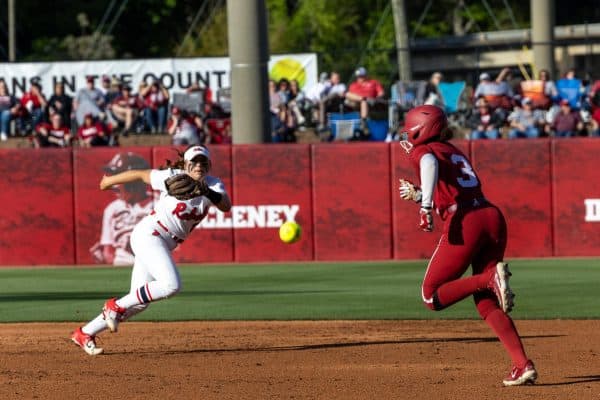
{"type": "Point", "coordinates": [567, 122]}
{"type": "Point", "coordinates": [125, 109]}
{"type": "Point", "coordinates": [88, 100]}
{"type": "Point", "coordinates": [498, 93]}
{"type": "Point", "coordinates": [92, 133]}
{"type": "Point", "coordinates": [33, 108]}
{"type": "Point", "coordinates": [364, 94]}
{"type": "Point", "coordinates": [483, 122]}
{"type": "Point", "coordinates": [525, 122]}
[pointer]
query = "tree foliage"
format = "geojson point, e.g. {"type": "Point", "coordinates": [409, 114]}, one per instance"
{"type": "Point", "coordinates": [344, 33]}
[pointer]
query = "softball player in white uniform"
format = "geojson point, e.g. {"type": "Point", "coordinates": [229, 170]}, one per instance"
{"type": "Point", "coordinates": [154, 275]}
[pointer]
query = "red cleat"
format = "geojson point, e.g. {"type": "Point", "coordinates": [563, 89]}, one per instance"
{"type": "Point", "coordinates": [521, 376]}
{"type": "Point", "coordinates": [86, 342]}
{"type": "Point", "coordinates": [112, 314]}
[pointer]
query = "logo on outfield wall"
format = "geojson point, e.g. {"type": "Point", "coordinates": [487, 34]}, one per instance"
{"type": "Point", "coordinates": [265, 216]}
{"type": "Point", "coordinates": [592, 210]}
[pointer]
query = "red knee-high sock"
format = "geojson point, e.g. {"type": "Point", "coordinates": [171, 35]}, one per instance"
{"type": "Point", "coordinates": [505, 329]}
{"type": "Point", "coordinates": [454, 291]}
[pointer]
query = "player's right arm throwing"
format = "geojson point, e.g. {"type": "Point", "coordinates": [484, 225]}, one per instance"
{"type": "Point", "coordinates": [125, 177]}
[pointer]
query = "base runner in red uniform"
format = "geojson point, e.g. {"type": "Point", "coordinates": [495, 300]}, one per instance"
{"type": "Point", "coordinates": [474, 233]}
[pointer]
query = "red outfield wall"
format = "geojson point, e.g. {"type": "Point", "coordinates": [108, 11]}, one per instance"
{"type": "Point", "coordinates": [343, 195]}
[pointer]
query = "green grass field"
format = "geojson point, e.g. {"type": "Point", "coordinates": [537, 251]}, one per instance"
{"type": "Point", "coordinates": [545, 288]}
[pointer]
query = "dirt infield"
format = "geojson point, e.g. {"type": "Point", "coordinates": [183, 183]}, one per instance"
{"type": "Point", "coordinates": [298, 360]}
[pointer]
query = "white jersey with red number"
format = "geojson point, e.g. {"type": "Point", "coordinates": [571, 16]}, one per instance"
{"type": "Point", "coordinates": [173, 218]}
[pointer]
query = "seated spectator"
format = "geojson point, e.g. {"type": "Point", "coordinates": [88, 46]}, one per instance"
{"type": "Point", "coordinates": [498, 94]}
{"type": "Point", "coordinates": [332, 98]}
{"type": "Point", "coordinates": [113, 91]}
{"type": "Point", "coordinates": [61, 103]}
{"type": "Point", "coordinates": [33, 108]}
{"type": "Point", "coordinates": [525, 122]}
{"type": "Point", "coordinates": [297, 102]}
{"type": "Point", "coordinates": [105, 85]}
{"type": "Point", "coordinates": [364, 94]}
{"type": "Point", "coordinates": [286, 130]}
{"type": "Point", "coordinates": [9, 109]}
{"type": "Point", "coordinates": [432, 92]}
{"type": "Point", "coordinates": [125, 109]}
{"type": "Point", "coordinates": [567, 123]}
{"type": "Point", "coordinates": [182, 128]}
{"type": "Point", "coordinates": [219, 130]}
{"type": "Point", "coordinates": [92, 133]}
{"type": "Point", "coordinates": [155, 98]}
{"type": "Point", "coordinates": [326, 96]}
{"type": "Point", "coordinates": [483, 122]}
{"type": "Point", "coordinates": [53, 134]}
{"type": "Point", "coordinates": [89, 100]}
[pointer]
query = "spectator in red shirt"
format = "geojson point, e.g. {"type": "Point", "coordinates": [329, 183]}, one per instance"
{"type": "Point", "coordinates": [125, 108]}
{"type": "Point", "coordinates": [364, 94]}
{"type": "Point", "coordinates": [156, 102]}
{"type": "Point", "coordinates": [92, 133]}
{"type": "Point", "coordinates": [33, 107]}
{"type": "Point", "coordinates": [53, 134]}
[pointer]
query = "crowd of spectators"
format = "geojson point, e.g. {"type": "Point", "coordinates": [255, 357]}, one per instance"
{"type": "Point", "coordinates": [98, 116]}
{"type": "Point", "coordinates": [293, 109]}
{"type": "Point", "coordinates": [503, 107]}
{"type": "Point", "coordinates": [517, 108]}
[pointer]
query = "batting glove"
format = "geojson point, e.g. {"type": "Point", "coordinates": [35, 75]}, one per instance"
{"type": "Point", "coordinates": [426, 219]}
{"type": "Point", "coordinates": [408, 191]}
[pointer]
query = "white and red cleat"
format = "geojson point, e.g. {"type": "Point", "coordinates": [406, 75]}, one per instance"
{"type": "Point", "coordinates": [86, 342]}
{"type": "Point", "coordinates": [499, 285]}
{"type": "Point", "coordinates": [521, 376]}
{"type": "Point", "coordinates": [112, 314]}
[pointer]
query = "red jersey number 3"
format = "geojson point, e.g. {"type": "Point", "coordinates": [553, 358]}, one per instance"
{"type": "Point", "coordinates": [467, 178]}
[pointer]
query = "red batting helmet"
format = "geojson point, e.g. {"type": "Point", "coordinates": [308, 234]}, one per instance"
{"type": "Point", "coordinates": [422, 124]}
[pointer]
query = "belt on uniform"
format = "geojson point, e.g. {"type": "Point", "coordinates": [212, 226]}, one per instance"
{"type": "Point", "coordinates": [166, 231]}
{"type": "Point", "coordinates": [466, 205]}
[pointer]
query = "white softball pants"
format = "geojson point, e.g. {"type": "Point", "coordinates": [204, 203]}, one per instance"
{"type": "Point", "coordinates": [154, 275]}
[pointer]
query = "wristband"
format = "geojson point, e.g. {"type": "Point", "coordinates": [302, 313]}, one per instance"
{"type": "Point", "coordinates": [214, 197]}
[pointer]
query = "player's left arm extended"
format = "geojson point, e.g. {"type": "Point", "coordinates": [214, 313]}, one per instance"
{"type": "Point", "coordinates": [429, 174]}
{"type": "Point", "coordinates": [125, 177]}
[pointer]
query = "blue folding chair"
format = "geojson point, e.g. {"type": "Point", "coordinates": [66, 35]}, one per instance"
{"type": "Point", "coordinates": [570, 89]}
{"type": "Point", "coordinates": [451, 93]}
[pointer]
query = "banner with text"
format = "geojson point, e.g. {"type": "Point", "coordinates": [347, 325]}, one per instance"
{"type": "Point", "coordinates": [176, 74]}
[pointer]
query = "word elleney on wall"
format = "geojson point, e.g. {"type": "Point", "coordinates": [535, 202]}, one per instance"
{"type": "Point", "coordinates": [343, 195]}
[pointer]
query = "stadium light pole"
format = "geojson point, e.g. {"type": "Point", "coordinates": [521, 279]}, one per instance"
{"type": "Point", "coordinates": [12, 53]}
{"type": "Point", "coordinates": [542, 35]}
{"type": "Point", "coordinates": [249, 57]}
{"type": "Point", "coordinates": [402, 43]}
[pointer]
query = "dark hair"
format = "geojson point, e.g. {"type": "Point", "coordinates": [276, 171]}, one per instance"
{"type": "Point", "coordinates": [180, 162]}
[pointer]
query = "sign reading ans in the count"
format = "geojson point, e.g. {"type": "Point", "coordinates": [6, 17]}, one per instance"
{"type": "Point", "coordinates": [174, 74]}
